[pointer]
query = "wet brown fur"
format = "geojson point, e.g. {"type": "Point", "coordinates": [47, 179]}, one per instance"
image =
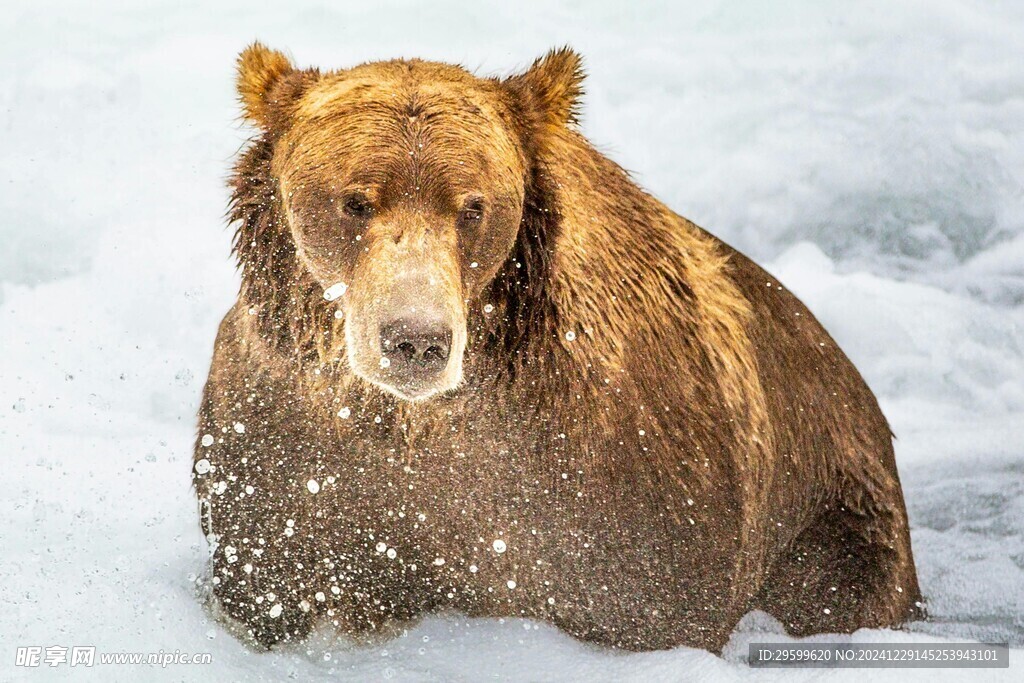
{"type": "Point", "coordinates": [700, 449]}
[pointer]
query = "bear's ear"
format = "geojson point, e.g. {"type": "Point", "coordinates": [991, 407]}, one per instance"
{"type": "Point", "coordinates": [549, 91]}
{"type": "Point", "coordinates": [266, 79]}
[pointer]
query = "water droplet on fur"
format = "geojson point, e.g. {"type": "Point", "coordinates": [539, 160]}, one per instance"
{"type": "Point", "coordinates": [276, 610]}
{"type": "Point", "coordinates": [511, 584]}
{"type": "Point", "coordinates": [499, 546]}
{"type": "Point", "coordinates": [335, 291]}
{"type": "Point", "coordinates": [314, 486]}
{"type": "Point", "coordinates": [488, 308]}
{"type": "Point", "coordinates": [570, 336]}
{"type": "Point", "coordinates": [240, 428]}
{"type": "Point", "coordinates": [320, 596]}
{"type": "Point", "coordinates": [202, 466]}
{"type": "Point", "coordinates": [382, 546]}
{"type": "Point", "coordinates": [474, 264]}
{"type": "Point", "coordinates": [392, 553]}
{"type": "Point", "coordinates": [207, 440]}
{"type": "Point", "coordinates": [385, 362]}
{"type": "Point", "coordinates": [438, 561]}
{"type": "Point", "coordinates": [344, 413]}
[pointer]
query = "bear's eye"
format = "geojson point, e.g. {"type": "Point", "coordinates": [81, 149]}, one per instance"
{"type": "Point", "coordinates": [473, 212]}
{"type": "Point", "coordinates": [357, 206]}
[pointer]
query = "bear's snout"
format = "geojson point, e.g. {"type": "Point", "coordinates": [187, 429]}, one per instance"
{"type": "Point", "coordinates": [406, 332]}
{"type": "Point", "coordinates": [417, 348]}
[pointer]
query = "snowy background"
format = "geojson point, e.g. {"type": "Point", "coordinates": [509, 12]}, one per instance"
{"type": "Point", "coordinates": [870, 154]}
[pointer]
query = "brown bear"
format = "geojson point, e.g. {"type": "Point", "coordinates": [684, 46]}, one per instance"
{"type": "Point", "coordinates": [473, 366]}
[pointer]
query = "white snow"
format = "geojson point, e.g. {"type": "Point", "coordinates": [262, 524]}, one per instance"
{"type": "Point", "coordinates": [870, 154]}
{"type": "Point", "coordinates": [335, 291]}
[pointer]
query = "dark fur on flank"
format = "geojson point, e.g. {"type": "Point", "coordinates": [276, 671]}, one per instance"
{"type": "Point", "coordinates": [654, 433]}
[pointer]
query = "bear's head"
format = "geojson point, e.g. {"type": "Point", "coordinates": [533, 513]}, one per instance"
{"type": "Point", "coordinates": [404, 193]}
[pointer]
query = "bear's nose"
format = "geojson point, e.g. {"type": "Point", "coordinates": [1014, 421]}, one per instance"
{"type": "Point", "coordinates": [416, 346]}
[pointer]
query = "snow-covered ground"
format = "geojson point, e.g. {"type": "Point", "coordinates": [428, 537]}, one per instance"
{"type": "Point", "coordinates": [870, 154]}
